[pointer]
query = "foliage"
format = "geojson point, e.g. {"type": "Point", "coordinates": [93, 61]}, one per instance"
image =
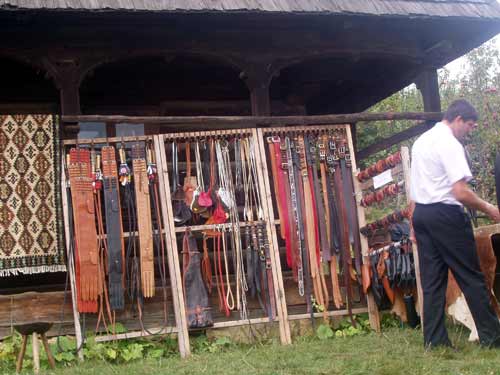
{"type": "Point", "coordinates": [344, 328]}
{"type": "Point", "coordinates": [394, 351]}
{"type": "Point", "coordinates": [64, 350]}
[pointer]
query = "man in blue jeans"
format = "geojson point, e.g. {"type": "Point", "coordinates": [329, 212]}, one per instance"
{"type": "Point", "coordinates": [443, 229]}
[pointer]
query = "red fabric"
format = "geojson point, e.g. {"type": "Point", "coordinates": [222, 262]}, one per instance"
{"type": "Point", "coordinates": [281, 195]}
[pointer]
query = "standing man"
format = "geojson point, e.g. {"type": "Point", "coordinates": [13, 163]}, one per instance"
{"type": "Point", "coordinates": [443, 230]}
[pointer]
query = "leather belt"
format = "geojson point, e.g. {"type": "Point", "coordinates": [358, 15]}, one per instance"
{"type": "Point", "coordinates": [295, 217]}
{"type": "Point", "coordinates": [345, 164]}
{"type": "Point", "coordinates": [282, 183]}
{"type": "Point", "coordinates": [144, 224]}
{"type": "Point", "coordinates": [82, 196]}
{"type": "Point", "coordinates": [332, 218]}
{"type": "Point", "coordinates": [344, 233]}
{"type": "Point", "coordinates": [311, 229]}
{"type": "Point", "coordinates": [301, 224]}
{"type": "Point", "coordinates": [291, 241]}
{"type": "Point", "coordinates": [277, 188]}
{"type": "Point", "coordinates": [267, 274]}
{"type": "Point", "coordinates": [114, 228]}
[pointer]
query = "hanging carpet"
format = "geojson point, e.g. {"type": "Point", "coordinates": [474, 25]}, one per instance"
{"type": "Point", "coordinates": [30, 210]}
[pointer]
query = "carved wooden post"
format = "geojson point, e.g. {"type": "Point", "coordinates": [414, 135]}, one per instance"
{"type": "Point", "coordinates": [427, 83]}
{"type": "Point", "coordinates": [67, 74]}
{"type": "Point", "coordinates": [258, 80]}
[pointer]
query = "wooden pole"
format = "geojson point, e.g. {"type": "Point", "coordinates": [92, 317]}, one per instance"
{"type": "Point", "coordinates": [279, 290]}
{"type": "Point", "coordinates": [71, 261]}
{"type": "Point", "coordinates": [373, 313]}
{"type": "Point", "coordinates": [20, 357]}
{"type": "Point", "coordinates": [50, 357]}
{"type": "Point", "coordinates": [172, 251]}
{"type": "Point", "coordinates": [394, 139]}
{"type": "Point", "coordinates": [249, 121]}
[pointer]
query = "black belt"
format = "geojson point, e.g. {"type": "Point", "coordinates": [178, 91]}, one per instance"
{"type": "Point", "coordinates": [345, 165]}
{"type": "Point", "coordinates": [300, 225]}
{"type": "Point", "coordinates": [345, 253]}
{"type": "Point", "coordinates": [114, 229]}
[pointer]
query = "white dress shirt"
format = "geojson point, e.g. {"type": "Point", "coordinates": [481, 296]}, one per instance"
{"type": "Point", "coordinates": [438, 161]}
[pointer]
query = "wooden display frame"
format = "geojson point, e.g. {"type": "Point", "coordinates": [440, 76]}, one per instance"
{"type": "Point", "coordinates": [180, 327]}
{"type": "Point", "coordinates": [371, 308]}
{"type": "Point", "coordinates": [404, 168]}
{"type": "Point", "coordinates": [281, 315]}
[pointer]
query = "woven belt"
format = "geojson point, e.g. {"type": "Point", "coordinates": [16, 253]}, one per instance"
{"type": "Point", "coordinates": [144, 224]}
{"type": "Point", "coordinates": [114, 228]}
{"type": "Point", "coordinates": [82, 195]}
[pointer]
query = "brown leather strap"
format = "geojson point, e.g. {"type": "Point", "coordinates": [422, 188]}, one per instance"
{"type": "Point", "coordinates": [310, 227]}
{"type": "Point", "coordinates": [344, 235]}
{"type": "Point", "coordinates": [206, 267]}
{"type": "Point", "coordinates": [82, 196]}
{"type": "Point", "coordinates": [274, 170]}
{"type": "Point", "coordinates": [189, 181]}
{"type": "Point", "coordinates": [144, 224]}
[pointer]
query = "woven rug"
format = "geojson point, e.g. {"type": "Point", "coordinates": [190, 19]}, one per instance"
{"type": "Point", "coordinates": [30, 210]}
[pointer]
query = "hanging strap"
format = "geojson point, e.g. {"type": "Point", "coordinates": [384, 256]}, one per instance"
{"type": "Point", "coordinates": [80, 176]}
{"type": "Point", "coordinates": [319, 221]}
{"type": "Point", "coordinates": [283, 197]}
{"type": "Point", "coordinates": [291, 226]}
{"type": "Point", "coordinates": [114, 228]}
{"type": "Point", "coordinates": [144, 223]}
{"type": "Point", "coordinates": [294, 222]}
{"type": "Point", "coordinates": [274, 170]}
{"type": "Point", "coordinates": [344, 233]}
{"type": "Point", "coordinates": [334, 227]}
{"type": "Point", "coordinates": [345, 163]}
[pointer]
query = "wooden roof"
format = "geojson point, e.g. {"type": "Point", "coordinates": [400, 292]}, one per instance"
{"type": "Point", "coordinates": [482, 9]}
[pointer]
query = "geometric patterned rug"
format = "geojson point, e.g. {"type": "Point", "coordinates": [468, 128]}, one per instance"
{"type": "Point", "coordinates": [30, 206]}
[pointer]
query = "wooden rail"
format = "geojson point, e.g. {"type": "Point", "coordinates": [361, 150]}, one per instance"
{"type": "Point", "coordinates": [241, 121]}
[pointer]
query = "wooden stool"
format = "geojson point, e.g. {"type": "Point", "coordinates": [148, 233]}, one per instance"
{"type": "Point", "coordinates": [34, 329]}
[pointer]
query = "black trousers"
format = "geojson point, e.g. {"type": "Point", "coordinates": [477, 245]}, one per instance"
{"type": "Point", "coordinates": [445, 241]}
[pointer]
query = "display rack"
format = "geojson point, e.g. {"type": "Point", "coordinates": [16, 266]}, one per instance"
{"type": "Point", "coordinates": [162, 142]}
{"type": "Point", "coordinates": [294, 312]}
{"type": "Point", "coordinates": [401, 185]}
{"type": "Point", "coordinates": [151, 305]}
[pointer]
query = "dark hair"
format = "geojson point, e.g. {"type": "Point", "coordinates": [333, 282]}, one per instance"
{"type": "Point", "coordinates": [462, 108]}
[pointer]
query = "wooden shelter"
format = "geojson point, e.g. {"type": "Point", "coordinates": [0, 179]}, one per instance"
{"type": "Point", "coordinates": [222, 58]}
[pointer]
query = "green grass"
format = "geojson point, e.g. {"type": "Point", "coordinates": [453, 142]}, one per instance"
{"type": "Point", "coordinates": [396, 351]}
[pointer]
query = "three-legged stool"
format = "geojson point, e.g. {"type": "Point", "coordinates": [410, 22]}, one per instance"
{"type": "Point", "coordinates": [34, 330]}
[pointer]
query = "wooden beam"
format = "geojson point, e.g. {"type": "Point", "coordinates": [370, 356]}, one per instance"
{"type": "Point", "coordinates": [250, 121]}
{"type": "Point", "coordinates": [394, 139]}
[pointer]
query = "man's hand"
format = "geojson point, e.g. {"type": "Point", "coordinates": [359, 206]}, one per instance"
{"type": "Point", "coordinates": [492, 212]}
{"type": "Point", "coordinates": [468, 198]}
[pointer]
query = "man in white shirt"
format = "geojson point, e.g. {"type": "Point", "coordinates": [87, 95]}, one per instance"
{"type": "Point", "coordinates": [442, 228]}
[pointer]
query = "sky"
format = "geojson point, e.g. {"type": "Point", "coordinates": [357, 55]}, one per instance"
{"type": "Point", "coordinates": [456, 67]}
